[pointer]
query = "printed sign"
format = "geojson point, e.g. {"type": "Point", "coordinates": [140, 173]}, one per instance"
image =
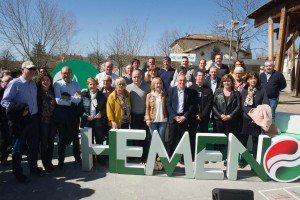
{"type": "Point", "coordinates": [279, 159]}
{"type": "Point", "coordinates": [81, 71]}
{"type": "Point", "coordinates": [178, 56]}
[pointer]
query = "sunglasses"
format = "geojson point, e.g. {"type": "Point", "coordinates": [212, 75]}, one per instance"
{"type": "Point", "coordinates": [31, 69]}
{"type": "Point", "coordinates": [121, 84]}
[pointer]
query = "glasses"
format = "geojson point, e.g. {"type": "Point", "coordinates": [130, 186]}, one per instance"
{"type": "Point", "coordinates": [31, 69]}
{"type": "Point", "coordinates": [106, 80]}
{"type": "Point", "coordinates": [121, 84]}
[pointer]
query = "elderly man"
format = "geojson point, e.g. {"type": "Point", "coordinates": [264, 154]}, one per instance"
{"type": "Point", "coordinates": [107, 89]}
{"type": "Point", "coordinates": [108, 68]}
{"type": "Point", "coordinates": [20, 101]}
{"type": "Point", "coordinates": [212, 80]}
{"type": "Point", "coordinates": [273, 82]}
{"type": "Point", "coordinates": [128, 75]}
{"type": "Point", "coordinates": [222, 69]}
{"type": "Point", "coordinates": [180, 105]}
{"type": "Point", "coordinates": [66, 115]}
{"type": "Point", "coordinates": [138, 91]}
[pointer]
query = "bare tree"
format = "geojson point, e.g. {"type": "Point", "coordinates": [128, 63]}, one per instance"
{"type": "Point", "coordinates": [238, 10]}
{"type": "Point", "coordinates": [166, 39]}
{"type": "Point", "coordinates": [96, 54]}
{"type": "Point", "coordinates": [126, 42]}
{"type": "Point", "coordinates": [6, 59]}
{"type": "Point", "coordinates": [25, 23]}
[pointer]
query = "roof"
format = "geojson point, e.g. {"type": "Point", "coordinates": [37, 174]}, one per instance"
{"type": "Point", "coordinates": [273, 9]}
{"type": "Point", "coordinates": [192, 42]}
{"type": "Point", "coordinates": [211, 42]}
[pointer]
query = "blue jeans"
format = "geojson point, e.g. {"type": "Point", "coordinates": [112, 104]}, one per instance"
{"type": "Point", "coordinates": [273, 105]}
{"type": "Point", "coordinates": [160, 127]}
{"type": "Point", "coordinates": [26, 136]}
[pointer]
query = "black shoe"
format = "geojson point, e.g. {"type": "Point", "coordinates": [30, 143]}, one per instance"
{"type": "Point", "coordinates": [37, 171]}
{"type": "Point", "coordinates": [225, 163]}
{"type": "Point", "coordinates": [4, 162]}
{"type": "Point", "coordinates": [242, 164]}
{"type": "Point", "coordinates": [49, 168]}
{"type": "Point", "coordinates": [78, 160]}
{"type": "Point", "coordinates": [21, 177]}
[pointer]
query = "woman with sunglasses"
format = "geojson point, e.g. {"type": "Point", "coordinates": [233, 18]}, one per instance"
{"type": "Point", "coordinates": [118, 106]}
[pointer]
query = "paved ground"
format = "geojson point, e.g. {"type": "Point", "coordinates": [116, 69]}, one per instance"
{"type": "Point", "coordinates": [73, 183]}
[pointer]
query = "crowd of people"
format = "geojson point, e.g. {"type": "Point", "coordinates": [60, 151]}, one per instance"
{"type": "Point", "coordinates": [172, 101]}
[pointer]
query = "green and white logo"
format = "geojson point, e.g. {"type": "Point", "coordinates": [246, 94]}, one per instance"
{"type": "Point", "coordinates": [81, 71]}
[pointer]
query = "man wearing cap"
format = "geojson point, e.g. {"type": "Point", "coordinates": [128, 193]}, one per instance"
{"type": "Point", "coordinates": [108, 68]}
{"type": "Point", "coordinates": [20, 101]}
{"type": "Point", "coordinates": [166, 73]}
{"type": "Point", "coordinates": [66, 115]}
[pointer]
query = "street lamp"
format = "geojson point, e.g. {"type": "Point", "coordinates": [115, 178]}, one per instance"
{"type": "Point", "coordinates": [233, 27]}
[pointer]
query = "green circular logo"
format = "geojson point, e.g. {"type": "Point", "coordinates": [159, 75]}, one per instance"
{"type": "Point", "coordinates": [81, 71]}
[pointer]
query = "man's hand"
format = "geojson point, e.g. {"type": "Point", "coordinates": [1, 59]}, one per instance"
{"type": "Point", "coordinates": [180, 119]}
{"type": "Point", "coordinates": [90, 118]}
{"type": "Point", "coordinates": [77, 94]}
{"type": "Point", "coordinates": [98, 116]}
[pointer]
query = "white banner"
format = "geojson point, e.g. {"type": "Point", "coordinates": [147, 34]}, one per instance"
{"type": "Point", "coordinates": [178, 56]}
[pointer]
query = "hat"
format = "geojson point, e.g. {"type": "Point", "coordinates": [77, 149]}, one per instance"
{"type": "Point", "coordinates": [28, 65]}
{"type": "Point", "coordinates": [167, 58]}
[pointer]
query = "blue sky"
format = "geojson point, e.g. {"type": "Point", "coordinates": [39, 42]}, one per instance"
{"type": "Point", "coordinates": [102, 17]}
{"type": "Point", "coordinates": [193, 16]}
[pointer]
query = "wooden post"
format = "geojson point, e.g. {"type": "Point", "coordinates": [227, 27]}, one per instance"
{"type": "Point", "coordinates": [293, 67]}
{"type": "Point", "coordinates": [282, 37]}
{"type": "Point", "coordinates": [271, 39]}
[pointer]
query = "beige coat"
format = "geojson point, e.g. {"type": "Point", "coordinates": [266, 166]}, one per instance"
{"type": "Point", "coordinates": [151, 108]}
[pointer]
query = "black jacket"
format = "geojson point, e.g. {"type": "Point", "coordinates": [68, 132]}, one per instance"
{"type": "Point", "coordinates": [274, 85]}
{"type": "Point", "coordinates": [231, 107]}
{"type": "Point", "coordinates": [204, 102]}
{"type": "Point", "coordinates": [15, 119]}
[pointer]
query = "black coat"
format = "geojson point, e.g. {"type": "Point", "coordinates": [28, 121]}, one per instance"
{"type": "Point", "coordinates": [204, 102]}
{"type": "Point", "coordinates": [231, 107]}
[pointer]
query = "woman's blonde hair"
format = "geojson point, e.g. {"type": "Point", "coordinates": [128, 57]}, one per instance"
{"type": "Point", "coordinates": [155, 80]}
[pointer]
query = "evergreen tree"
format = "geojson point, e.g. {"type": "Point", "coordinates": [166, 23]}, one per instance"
{"type": "Point", "coordinates": [38, 55]}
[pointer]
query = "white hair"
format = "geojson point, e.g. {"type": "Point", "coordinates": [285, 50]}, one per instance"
{"type": "Point", "coordinates": [238, 70]}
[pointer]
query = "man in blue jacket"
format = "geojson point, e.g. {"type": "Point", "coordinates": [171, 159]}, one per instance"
{"type": "Point", "coordinates": [273, 82]}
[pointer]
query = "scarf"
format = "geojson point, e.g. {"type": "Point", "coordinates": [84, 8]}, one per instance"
{"type": "Point", "coordinates": [249, 97]}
